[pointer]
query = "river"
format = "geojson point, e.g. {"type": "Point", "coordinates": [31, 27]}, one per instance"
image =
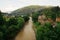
{"type": "Point", "coordinates": [27, 33]}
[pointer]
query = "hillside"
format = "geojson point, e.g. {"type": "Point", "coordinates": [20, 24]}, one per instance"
{"type": "Point", "coordinates": [27, 10]}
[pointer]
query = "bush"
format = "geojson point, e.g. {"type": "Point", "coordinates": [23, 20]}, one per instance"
{"type": "Point", "coordinates": [15, 25]}
{"type": "Point", "coordinates": [35, 16]}
{"type": "Point", "coordinates": [26, 18]}
{"type": "Point", "coordinates": [1, 35]}
{"type": "Point", "coordinates": [20, 22]}
{"type": "Point", "coordinates": [12, 21]}
{"type": "Point", "coordinates": [11, 27]}
{"type": "Point", "coordinates": [47, 32]}
{"type": "Point", "coordinates": [2, 21]}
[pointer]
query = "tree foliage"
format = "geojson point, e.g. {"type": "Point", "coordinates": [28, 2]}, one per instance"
{"type": "Point", "coordinates": [10, 28]}
{"type": "Point", "coordinates": [35, 16]}
{"type": "Point", "coordinates": [26, 18]}
{"type": "Point", "coordinates": [1, 19]}
{"type": "Point", "coordinates": [47, 32]}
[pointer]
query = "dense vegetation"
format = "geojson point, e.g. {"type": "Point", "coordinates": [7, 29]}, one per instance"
{"type": "Point", "coordinates": [35, 16]}
{"type": "Point", "coordinates": [51, 12]}
{"type": "Point", "coordinates": [46, 31]}
{"type": "Point", "coordinates": [10, 26]}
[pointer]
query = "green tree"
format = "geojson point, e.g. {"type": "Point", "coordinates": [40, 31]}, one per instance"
{"type": "Point", "coordinates": [26, 18]}
{"type": "Point", "coordinates": [49, 13]}
{"type": "Point", "coordinates": [12, 21]}
{"type": "Point", "coordinates": [35, 16]}
{"type": "Point", "coordinates": [20, 22]}
{"type": "Point", "coordinates": [1, 19]}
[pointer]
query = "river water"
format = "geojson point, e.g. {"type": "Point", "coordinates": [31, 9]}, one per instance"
{"type": "Point", "coordinates": [27, 33]}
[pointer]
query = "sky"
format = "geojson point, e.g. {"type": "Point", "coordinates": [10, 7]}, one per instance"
{"type": "Point", "coordinates": [10, 5]}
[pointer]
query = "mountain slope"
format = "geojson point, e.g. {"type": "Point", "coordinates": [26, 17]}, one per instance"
{"type": "Point", "coordinates": [27, 10]}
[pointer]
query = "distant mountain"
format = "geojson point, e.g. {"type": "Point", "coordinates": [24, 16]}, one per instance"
{"type": "Point", "coordinates": [27, 10]}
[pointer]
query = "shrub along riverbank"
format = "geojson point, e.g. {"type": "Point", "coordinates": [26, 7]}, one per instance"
{"type": "Point", "coordinates": [9, 27]}
{"type": "Point", "coordinates": [47, 32]}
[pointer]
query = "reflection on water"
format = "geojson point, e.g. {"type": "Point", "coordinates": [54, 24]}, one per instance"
{"type": "Point", "coordinates": [27, 33]}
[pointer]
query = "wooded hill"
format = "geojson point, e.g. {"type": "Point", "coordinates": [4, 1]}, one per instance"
{"type": "Point", "coordinates": [27, 10]}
